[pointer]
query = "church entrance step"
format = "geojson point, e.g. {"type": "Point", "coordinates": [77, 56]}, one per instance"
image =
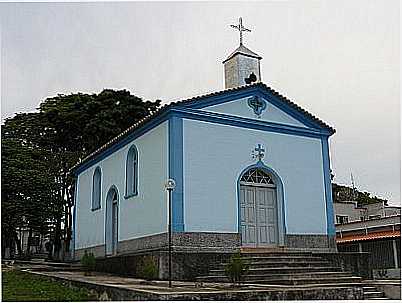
{"type": "Point", "coordinates": [280, 270]}
{"type": "Point", "coordinates": [283, 259]}
{"type": "Point", "coordinates": [274, 264]}
{"type": "Point", "coordinates": [285, 276]}
{"type": "Point", "coordinates": [290, 280]}
{"type": "Point", "coordinates": [287, 268]}
{"type": "Point", "coordinates": [350, 280]}
{"type": "Point", "coordinates": [280, 275]}
{"type": "Point", "coordinates": [373, 294]}
{"type": "Point", "coordinates": [275, 253]}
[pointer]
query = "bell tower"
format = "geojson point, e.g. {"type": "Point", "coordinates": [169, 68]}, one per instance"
{"type": "Point", "coordinates": [242, 66]}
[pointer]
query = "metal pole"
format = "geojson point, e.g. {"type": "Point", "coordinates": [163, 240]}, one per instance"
{"type": "Point", "coordinates": [170, 237]}
{"type": "Point", "coordinates": [394, 250]}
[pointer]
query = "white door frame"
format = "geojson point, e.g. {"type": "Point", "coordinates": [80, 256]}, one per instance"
{"type": "Point", "coordinates": [111, 225]}
{"type": "Point", "coordinates": [280, 199]}
{"type": "Point", "coordinates": [257, 242]}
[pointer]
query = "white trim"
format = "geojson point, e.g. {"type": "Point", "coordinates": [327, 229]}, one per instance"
{"type": "Point", "coordinates": [257, 184]}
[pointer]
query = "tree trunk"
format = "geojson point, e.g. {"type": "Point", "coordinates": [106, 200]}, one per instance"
{"type": "Point", "coordinates": [69, 221]}
{"type": "Point", "coordinates": [4, 243]}
{"type": "Point", "coordinates": [29, 241]}
{"type": "Point", "coordinates": [18, 242]}
{"type": "Point", "coordinates": [57, 239]}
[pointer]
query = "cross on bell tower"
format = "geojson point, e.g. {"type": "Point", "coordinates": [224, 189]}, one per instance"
{"type": "Point", "coordinates": [241, 29]}
{"type": "Point", "coordinates": [242, 66]}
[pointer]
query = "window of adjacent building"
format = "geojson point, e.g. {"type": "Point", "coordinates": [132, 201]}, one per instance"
{"type": "Point", "coordinates": [132, 172]}
{"type": "Point", "coordinates": [342, 219]}
{"type": "Point", "coordinates": [96, 189]}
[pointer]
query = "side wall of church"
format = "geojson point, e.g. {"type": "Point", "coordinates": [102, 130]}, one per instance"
{"type": "Point", "coordinates": [139, 216]}
{"type": "Point", "coordinates": [212, 167]}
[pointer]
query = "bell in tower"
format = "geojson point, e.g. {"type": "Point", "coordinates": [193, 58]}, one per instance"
{"type": "Point", "coordinates": [242, 66]}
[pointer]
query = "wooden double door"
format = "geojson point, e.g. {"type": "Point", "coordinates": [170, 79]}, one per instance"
{"type": "Point", "coordinates": [258, 215]}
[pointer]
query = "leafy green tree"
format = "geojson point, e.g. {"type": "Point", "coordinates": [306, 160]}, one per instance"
{"type": "Point", "coordinates": [27, 189]}
{"type": "Point", "coordinates": [342, 193]}
{"type": "Point", "coordinates": [81, 123]}
{"type": "Point", "coordinates": [49, 142]}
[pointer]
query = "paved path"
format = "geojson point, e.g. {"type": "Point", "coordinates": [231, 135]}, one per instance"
{"type": "Point", "coordinates": [112, 287]}
{"type": "Point", "coordinates": [157, 287]}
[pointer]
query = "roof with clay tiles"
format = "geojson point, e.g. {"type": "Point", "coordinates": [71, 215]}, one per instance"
{"type": "Point", "coordinates": [197, 99]}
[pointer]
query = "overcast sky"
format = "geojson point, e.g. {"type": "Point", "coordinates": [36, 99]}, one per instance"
{"type": "Point", "coordinates": [337, 59]}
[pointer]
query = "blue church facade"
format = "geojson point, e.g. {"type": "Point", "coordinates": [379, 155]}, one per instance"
{"type": "Point", "coordinates": [252, 170]}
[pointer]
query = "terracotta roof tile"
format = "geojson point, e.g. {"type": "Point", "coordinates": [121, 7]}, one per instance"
{"type": "Point", "coordinates": [197, 98]}
{"type": "Point", "coordinates": [370, 236]}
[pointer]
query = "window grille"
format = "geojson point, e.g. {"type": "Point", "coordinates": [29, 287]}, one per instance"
{"type": "Point", "coordinates": [258, 176]}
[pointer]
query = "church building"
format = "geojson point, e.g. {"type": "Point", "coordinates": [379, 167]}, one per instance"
{"type": "Point", "coordinates": [251, 171]}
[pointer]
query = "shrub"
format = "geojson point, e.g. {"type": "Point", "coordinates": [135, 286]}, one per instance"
{"type": "Point", "coordinates": [88, 261]}
{"type": "Point", "coordinates": [148, 268]}
{"type": "Point", "coordinates": [236, 269]}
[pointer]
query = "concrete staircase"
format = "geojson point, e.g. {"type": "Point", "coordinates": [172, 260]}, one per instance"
{"type": "Point", "coordinates": [40, 265]}
{"type": "Point", "coordinates": [292, 269]}
{"type": "Point", "coordinates": [285, 268]}
{"type": "Point", "coordinates": [372, 293]}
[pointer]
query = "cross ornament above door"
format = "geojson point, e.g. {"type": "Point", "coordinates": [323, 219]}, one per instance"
{"type": "Point", "coordinates": [258, 152]}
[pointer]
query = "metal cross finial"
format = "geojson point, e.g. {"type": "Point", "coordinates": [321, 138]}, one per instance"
{"type": "Point", "coordinates": [259, 152]}
{"type": "Point", "coordinates": [241, 29]}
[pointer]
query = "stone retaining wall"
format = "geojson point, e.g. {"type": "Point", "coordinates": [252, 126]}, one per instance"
{"type": "Point", "coordinates": [206, 242]}
{"type": "Point", "coordinates": [121, 293]}
{"type": "Point", "coordinates": [356, 262]}
{"type": "Point", "coordinates": [311, 242]}
{"type": "Point", "coordinates": [185, 265]}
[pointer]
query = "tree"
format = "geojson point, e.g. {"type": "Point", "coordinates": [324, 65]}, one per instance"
{"type": "Point", "coordinates": [81, 123]}
{"type": "Point", "coordinates": [27, 187]}
{"type": "Point", "coordinates": [342, 193]}
{"type": "Point", "coordinates": [66, 128]}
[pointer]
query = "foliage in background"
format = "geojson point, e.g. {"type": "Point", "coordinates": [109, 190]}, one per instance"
{"type": "Point", "coordinates": [148, 269]}
{"type": "Point", "coordinates": [40, 148]}
{"type": "Point", "coordinates": [22, 287]}
{"type": "Point", "coordinates": [236, 269]}
{"type": "Point", "coordinates": [342, 193]}
{"type": "Point", "coordinates": [29, 194]}
{"type": "Point", "coordinates": [88, 261]}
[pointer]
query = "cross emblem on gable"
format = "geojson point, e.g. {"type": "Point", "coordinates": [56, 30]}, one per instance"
{"type": "Point", "coordinates": [258, 152]}
{"type": "Point", "coordinates": [257, 104]}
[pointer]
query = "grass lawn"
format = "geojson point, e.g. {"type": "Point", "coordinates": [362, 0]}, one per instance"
{"type": "Point", "coordinates": [22, 286]}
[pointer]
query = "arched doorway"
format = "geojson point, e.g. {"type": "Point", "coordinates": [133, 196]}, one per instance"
{"type": "Point", "coordinates": [258, 204]}
{"type": "Point", "coordinates": [112, 221]}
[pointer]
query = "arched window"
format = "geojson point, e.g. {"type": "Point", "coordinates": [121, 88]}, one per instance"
{"type": "Point", "coordinates": [257, 176]}
{"type": "Point", "coordinates": [96, 189]}
{"type": "Point", "coordinates": [132, 172]}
